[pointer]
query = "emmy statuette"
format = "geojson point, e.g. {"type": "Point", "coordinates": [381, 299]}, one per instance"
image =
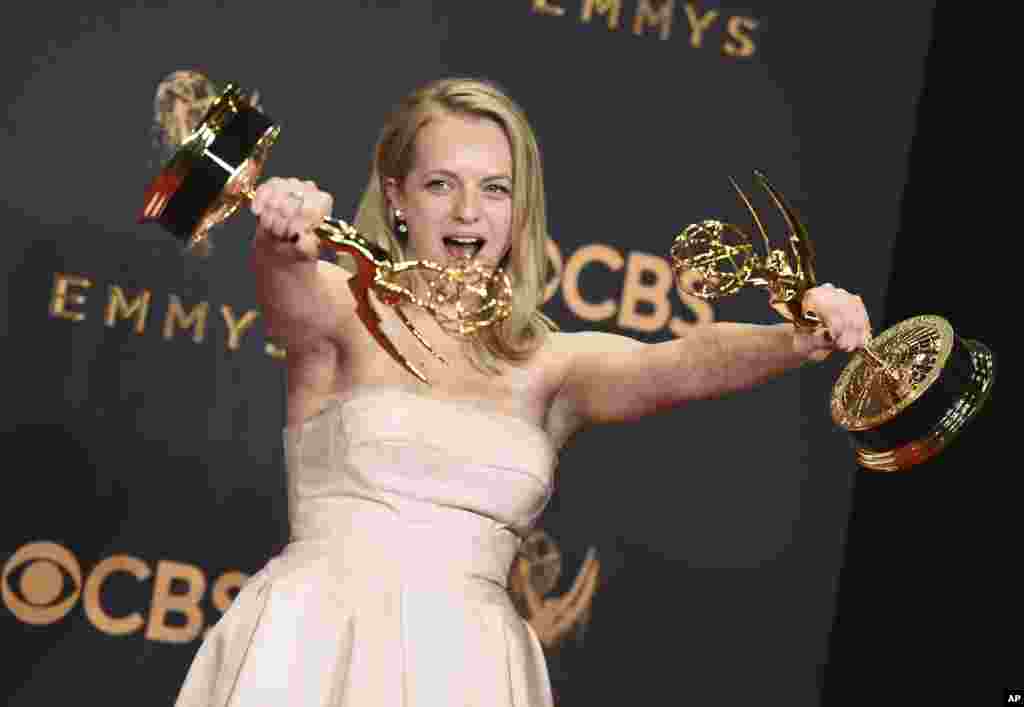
{"type": "Point", "coordinates": [904, 397]}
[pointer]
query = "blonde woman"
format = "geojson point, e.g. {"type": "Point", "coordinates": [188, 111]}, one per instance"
{"type": "Point", "coordinates": [409, 502]}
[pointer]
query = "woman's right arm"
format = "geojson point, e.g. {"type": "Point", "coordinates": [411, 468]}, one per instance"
{"type": "Point", "coordinates": [305, 301]}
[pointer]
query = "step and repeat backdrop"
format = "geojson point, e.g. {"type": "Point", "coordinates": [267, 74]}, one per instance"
{"type": "Point", "coordinates": [144, 406]}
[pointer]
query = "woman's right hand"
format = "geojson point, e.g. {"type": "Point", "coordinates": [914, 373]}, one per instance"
{"type": "Point", "coordinates": [304, 300]}
{"type": "Point", "coordinates": [287, 211]}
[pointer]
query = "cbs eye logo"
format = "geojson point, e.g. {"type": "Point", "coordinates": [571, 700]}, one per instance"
{"type": "Point", "coordinates": [43, 581]}
{"type": "Point", "coordinates": [36, 577]}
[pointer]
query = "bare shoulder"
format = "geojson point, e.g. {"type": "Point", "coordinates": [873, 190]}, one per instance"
{"type": "Point", "coordinates": [567, 357]}
{"type": "Point", "coordinates": [566, 352]}
{"type": "Point", "coordinates": [562, 351]}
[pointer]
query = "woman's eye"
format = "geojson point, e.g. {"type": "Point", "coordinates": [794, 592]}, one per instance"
{"type": "Point", "coordinates": [499, 188]}
{"type": "Point", "coordinates": [438, 185]}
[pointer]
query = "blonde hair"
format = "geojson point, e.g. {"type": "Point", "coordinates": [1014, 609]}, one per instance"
{"type": "Point", "coordinates": [521, 334]}
{"type": "Point", "coordinates": [182, 99]}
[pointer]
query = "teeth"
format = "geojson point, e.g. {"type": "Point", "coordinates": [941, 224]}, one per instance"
{"type": "Point", "coordinates": [463, 246]}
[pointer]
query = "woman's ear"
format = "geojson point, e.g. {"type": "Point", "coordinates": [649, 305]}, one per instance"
{"type": "Point", "coordinates": [392, 190]}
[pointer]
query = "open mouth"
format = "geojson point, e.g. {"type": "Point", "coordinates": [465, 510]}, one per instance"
{"type": "Point", "coordinates": [462, 247]}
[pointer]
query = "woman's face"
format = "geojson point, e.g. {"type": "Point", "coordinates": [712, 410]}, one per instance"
{"type": "Point", "coordinates": [457, 199]}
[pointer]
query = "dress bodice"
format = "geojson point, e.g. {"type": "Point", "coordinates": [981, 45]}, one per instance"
{"type": "Point", "coordinates": [430, 474]}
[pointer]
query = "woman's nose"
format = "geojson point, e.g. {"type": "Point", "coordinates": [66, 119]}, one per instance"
{"type": "Point", "coordinates": [467, 207]}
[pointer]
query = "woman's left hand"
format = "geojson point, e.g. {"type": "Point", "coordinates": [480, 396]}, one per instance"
{"type": "Point", "coordinates": [844, 322]}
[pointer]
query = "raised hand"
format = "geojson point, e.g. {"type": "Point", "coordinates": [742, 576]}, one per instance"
{"type": "Point", "coordinates": [287, 211]}
{"type": "Point", "coordinates": [844, 321]}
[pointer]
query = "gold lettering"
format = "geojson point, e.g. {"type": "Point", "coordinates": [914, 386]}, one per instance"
{"type": "Point", "coordinates": [635, 291]}
{"type": "Point", "coordinates": [119, 306]}
{"type": "Point", "coordinates": [702, 310]}
{"type": "Point", "coordinates": [94, 584]}
{"type": "Point", "coordinates": [744, 45]}
{"type": "Point", "coordinates": [545, 7]}
{"type": "Point", "coordinates": [647, 15]}
{"type": "Point", "coordinates": [612, 8]}
{"type": "Point", "coordinates": [593, 253]}
{"type": "Point", "coordinates": [195, 319]}
{"type": "Point", "coordinates": [61, 297]}
{"type": "Point", "coordinates": [699, 23]}
{"type": "Point", "coordinates": [184, 604]}
{"type": "Point", "coordinates": [554, 254]}
{"type": "Point", "coordinates": [237, 327]}
{"type": "Point", "coordinates": [225, 589]}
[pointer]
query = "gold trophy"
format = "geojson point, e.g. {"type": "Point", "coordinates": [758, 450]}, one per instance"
{"type": "Point", "coordinates": [903, 398]}
{"type": "Point", "coordinates": [214, 171]}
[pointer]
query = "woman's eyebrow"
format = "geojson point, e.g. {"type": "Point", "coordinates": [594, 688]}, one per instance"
{"type": "Point", "coordinates": [453, 175]}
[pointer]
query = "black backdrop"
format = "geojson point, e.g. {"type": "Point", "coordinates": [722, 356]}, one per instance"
{"type": "Point", "coordinates": [925, 613]}
{"type": "Point", "coordinates": [721, 527]}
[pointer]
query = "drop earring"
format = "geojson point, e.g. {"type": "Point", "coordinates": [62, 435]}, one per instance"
{"type": "Point", "coordinates": [401, 227]}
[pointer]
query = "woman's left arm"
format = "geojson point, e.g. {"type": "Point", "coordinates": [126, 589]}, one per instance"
{"type": "Point", "coordinates": [611, 378]}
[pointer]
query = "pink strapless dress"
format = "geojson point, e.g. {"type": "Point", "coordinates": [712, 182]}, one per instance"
{"type": "Point", "coordinates": [406, 514]}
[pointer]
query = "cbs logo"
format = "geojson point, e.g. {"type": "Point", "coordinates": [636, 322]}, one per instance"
{"type": "Point", "coordinates": [43, 581]}
{"type": "Point", "coordinates": [647, 293]}
{"type": "Point", "coordinates": [34, 578]}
